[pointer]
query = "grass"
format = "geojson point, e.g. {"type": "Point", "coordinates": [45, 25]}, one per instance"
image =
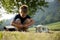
{"type": "Point", "coordinates": [54, 26]}
{"type": "Point", "coordinates": [1, 35]}
{"type": "Point", "coordinates": [29, 36]}
{"type": "Point", "coordinates": [32, 35]}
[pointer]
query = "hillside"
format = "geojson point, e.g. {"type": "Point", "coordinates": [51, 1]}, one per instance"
{"type": "Point", "coordinates": [54, 26]}
{"type": "Point", "coordinates": [51, 14]}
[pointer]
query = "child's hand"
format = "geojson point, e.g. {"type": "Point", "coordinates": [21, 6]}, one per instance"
{"type": "Point", "coordinates": [26, 26]}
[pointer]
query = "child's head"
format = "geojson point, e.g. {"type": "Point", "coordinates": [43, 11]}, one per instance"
{"type": "Point", "coordinates": [23, 9]}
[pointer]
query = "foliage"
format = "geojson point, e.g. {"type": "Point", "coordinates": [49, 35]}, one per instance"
{"type": "Point", "coordinates": [8, 4]}
{"type": "Point", "coordinates": [0, 15]}
{"type": "Point", "coordinates": [52, 15]}
{"type": "Point", "coordinates": [1, 22]}
{"type": "Point", "coordinates": [13, 5]}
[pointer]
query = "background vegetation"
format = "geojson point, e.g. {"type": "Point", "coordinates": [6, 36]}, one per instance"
{"type": "Point", "coordinates": [13, 5]}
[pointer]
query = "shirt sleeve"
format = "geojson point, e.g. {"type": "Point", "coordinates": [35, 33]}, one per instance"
{"type": "Point", "coordinates": [28, 16]}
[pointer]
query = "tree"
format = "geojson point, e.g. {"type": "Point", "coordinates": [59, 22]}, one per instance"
{"type": "Point", "coordinates": [33, 5]}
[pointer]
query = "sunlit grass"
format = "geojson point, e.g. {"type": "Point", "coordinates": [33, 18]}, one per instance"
{"type": "Point", "coordinates": [32, 35]}
{"type": "Point", "coordinates": [1, 35]}
{"type": "Point", "coordinates": [29, 36]}
{"type": "Point", "coordinates": [54, 26]}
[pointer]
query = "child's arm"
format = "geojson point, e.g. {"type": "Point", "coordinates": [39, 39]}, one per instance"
{"type": "Point", "coordinates": [27, 24]}
{"type": "Point", "coordinates": [16, 24]}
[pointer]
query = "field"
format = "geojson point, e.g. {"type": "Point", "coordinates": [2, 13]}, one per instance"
{"type": "Point", "coordinates": [54, 26]}
{"type": "Point", "coordinates": [32, 35]}
{"type": "Point", "coordinates": [29, 36]}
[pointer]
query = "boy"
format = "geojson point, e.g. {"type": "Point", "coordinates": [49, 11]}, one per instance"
{"type": "Point", "coordinates": [25, 20]}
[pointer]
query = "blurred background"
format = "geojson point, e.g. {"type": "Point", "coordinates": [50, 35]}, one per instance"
{"type": "Point", "coordinates": [44, 12]}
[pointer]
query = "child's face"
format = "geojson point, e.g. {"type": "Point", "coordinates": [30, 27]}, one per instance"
{"type": "Point", "coordinates": [22, 13]}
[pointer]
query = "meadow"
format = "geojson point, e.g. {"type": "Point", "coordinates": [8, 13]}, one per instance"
{"type": "Point", "coordinates": [29, 36]}
{"type": "Point", "coordinates": [32, 35]}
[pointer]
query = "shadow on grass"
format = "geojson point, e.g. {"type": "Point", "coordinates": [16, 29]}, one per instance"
{"type": "Point", "coordinates": [55, 29]}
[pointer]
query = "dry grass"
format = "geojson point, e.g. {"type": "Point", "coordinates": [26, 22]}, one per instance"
{"type": "Point", "coordinates": [29, 36]}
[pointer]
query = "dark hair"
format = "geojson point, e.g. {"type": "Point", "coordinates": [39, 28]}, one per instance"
{"type": "Point", "coordinates": [24, 8]}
